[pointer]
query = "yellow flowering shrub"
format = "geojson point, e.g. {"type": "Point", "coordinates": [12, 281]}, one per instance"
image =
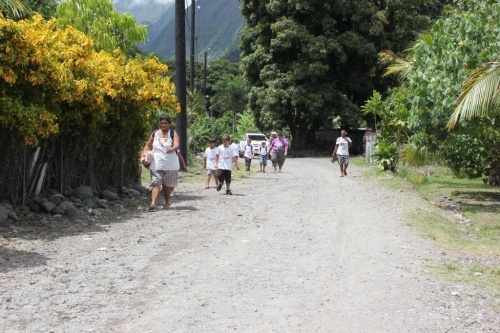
{"type": "Point", "coordinates": [53, 80]}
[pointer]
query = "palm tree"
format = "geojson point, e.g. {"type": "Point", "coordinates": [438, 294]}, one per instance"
{"type": "Point", "coordinates": [12, 8]}
{"type": "Point", "coordinates": [480, 94]}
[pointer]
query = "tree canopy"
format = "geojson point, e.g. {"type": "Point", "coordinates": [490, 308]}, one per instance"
{"type": "Point", "coordinates": [308, 62]}
{"type": "Point", "coordinates": [462, 41]}
{"type": "Point", "coordinates": [99, 20]}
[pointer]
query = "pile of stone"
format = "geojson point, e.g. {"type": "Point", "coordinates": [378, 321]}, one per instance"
{"type": "Point", "coordinates": [81, 201]}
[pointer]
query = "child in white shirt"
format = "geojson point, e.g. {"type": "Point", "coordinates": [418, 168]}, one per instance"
{"type": "Point", "coordinates": [248, 154]}
{"type": "Point", "coordinates": [263, 157]}
{"type": "Point", "coordinates": [209, 163]}
{"type": "Point", "coordinates": [224, 159]}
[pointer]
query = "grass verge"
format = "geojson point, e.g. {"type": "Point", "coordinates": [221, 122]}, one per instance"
{"type": "Point", "coordinates": [481, 275]}
{"type": "Point", "coordinates": [467, 220]}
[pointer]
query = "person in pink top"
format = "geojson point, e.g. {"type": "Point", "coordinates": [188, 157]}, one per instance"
{"type": "Point", "coordinates": [279, 150]}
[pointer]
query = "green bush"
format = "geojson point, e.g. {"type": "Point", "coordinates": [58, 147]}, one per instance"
{"type": "Point", "coordinates": [386, 156]}
{"type": "Point", "coordinates": [416, 178]}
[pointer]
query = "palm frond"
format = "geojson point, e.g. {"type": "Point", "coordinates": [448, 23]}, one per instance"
{"type": "Point", "coordinates": [13, 8]}
{"type": "Point", "coordinates": [419, 156]}
{"type": "Point", "coordinates": [402, 68]}
{"type": "Point", "coordinates": [480, 95]}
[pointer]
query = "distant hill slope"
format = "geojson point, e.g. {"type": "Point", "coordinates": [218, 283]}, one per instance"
{"type": "Point", "coordinates": [218, 26]}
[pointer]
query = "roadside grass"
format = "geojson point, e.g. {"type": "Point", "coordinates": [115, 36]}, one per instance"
{"type": "Point", "coordinates": [467, 221]}
{"type": "Point", "coordinates": [485, 276]}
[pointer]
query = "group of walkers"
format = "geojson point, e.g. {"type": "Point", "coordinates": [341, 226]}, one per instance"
{"type": "Point", "coordinates": [161, 156]}
{"type": "Point", "coordinates": [218, 161]}
{"type": "Point", "coordinates": [275, 150]}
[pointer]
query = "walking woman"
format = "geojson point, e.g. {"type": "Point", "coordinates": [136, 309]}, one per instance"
{"type": "Point", "coordinates": [164, 166]}
{"type": "Point", "coordinates": [342, 151]}
{"type": "Point", "coordinates": [279, 150]}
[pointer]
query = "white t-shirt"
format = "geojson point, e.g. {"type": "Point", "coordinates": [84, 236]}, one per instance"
{"type": "Point", "coordinates": [343, 145]}
{"type": "Point", "coordinates": [248, 151]}
{"type": "Point", "coordinates": [263, 151]}
{"type": "Point", "coordinates": [210, 156]}
{"type": "Point", "coordinates": [162, 160]}
{"type": "Point", "coordinates": [236, 147]}
{"type": "Point", "coordinates": [226, 155]}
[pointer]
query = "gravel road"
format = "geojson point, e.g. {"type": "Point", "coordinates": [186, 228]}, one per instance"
{"type": "Point", "coordinates": [300, 251]}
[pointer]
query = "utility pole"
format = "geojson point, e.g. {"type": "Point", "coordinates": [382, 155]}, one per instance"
{"type": "Point", "coordinates": [205, 82]}
{"type": "Point", "coordinates": [191, 78]}
{"type": "Point", "coordinates": [180, 74]}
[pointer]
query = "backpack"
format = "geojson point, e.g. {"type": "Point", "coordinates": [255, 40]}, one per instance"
{"type": "Point", "coordinates": [170, 130]}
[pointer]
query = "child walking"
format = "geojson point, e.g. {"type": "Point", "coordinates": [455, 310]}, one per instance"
{"type": "Point", "coordinates": [224, 159]}
{"type": "Point", "coordinates": [209, 163]}
{"type": "Point", "coordinates": [248, 154]}
{"type": "Point", "coordinates": [263, 157]}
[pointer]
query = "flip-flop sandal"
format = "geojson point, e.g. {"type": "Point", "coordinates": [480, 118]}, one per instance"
{"type": "Point", "coordinates": [166, 206]}
{"type": "Point", "coordinates": [152, 208]}
{"type": "Point", "coordinates": [206, 188]}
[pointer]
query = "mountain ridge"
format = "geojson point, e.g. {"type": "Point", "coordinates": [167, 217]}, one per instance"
{"type": "Point", "coordinates": [218, 25]}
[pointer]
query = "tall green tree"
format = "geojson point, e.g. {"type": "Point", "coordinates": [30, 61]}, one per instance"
{"type": "Point", "coordinates": [99, 20]}
{"type": "Point", "coordinates": [231, 96]}
{"type": "Point", "coordinates": [46, 8]}
{"type": "Point", "coordinates": [460, 42]}
{"type": "Point", "coordinates": [308, 62]}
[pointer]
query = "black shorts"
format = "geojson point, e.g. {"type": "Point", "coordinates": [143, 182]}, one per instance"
{"type": "Point", "coordinates": [224, 175]}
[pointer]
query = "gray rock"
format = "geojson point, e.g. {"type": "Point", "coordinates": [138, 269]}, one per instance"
{"type": "Point", "coordinates": [7, 205]}
{"type": "Point", "coordinates": [89, 203]}
{"type": "Point", "coordinates": [47, 206]}
{"type": "Point", "coordinates": [57, 211]}
{"type": "Point", "coordinates": [68, 208]}
{"type": "Point", "coordinates": [130, 193]}
{"type": "Point", "coordinates": [112, 189]}
{"type": "Point", "coordinates": [119, 208]}
{"type": "Point", "coordinates": [68, 191]}
{"type": "Point", "coordinates": [4, 214]}
{"type": "Point", "coordinates": [57, 198]}
{"type": "Point", "coordinates": [110, 196]}
{"type": "Point", "coordinates": [33, 206]}
{"type": "Point", "coordinates": [103, 204]}
{"type": "Point", "coordinates": [134, 193]}
{"type": "Point", "coordinates": [141, 189]}
{"type": "Point", "coordinates": [12, 215]}
{"type": "Point", "coordinates": [38, 200]}
{"type": "Point", "coordinates": [96, 212]}
{"type": "Point", "coordinates": [83, 192]}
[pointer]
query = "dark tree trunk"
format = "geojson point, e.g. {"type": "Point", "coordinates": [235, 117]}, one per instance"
{"type": "Point", "coordinates": [180, 74]}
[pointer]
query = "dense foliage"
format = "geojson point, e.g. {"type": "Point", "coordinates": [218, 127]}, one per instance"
{"type": "Point", "coordinates": [464, 39]}
{"type": "Point", "coordinates": [108, 29]}
{"type": "Point", "coordinates": [56, 90]}
{"type": "Point", "coordinates": [308, 62]}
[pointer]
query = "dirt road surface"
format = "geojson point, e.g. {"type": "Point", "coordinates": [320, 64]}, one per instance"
{"type": "Point", "coordinates": [300, 251]}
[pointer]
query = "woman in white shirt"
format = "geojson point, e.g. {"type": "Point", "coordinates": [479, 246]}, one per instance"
{"type": "Point", "coordinates": [164, 166]}
{"type": "Point", "coordinates": [342, 151]}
